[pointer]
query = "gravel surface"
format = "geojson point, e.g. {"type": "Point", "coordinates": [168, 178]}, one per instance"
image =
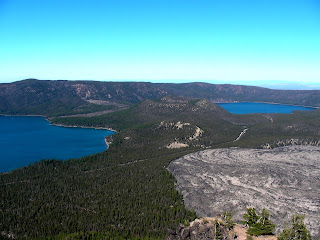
{"type": "Point", "coordinates": [284, 180]}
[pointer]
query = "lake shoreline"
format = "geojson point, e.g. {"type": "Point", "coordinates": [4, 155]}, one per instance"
{"type": "Point", "coordinates": [19, 115]}
{"type": "Point", "coordinates": [49, 142]}
{"type": "Point", "coordinates": [78, 126]}
{"type": "Point", "coordinates": [263, 108]}
{"type": "Point", "coordinates": [59, 125]}
{"type": "Point", "coordinates": [290, 105]}
{"type": "Point", "coordinates": [270, 103]}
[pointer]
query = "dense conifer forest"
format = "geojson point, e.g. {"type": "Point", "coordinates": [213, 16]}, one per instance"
{"type": "Point", "coordinates": [127, 192]}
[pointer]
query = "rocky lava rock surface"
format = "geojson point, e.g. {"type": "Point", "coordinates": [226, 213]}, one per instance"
{"type": "Point", "coordinates": [284, 180]}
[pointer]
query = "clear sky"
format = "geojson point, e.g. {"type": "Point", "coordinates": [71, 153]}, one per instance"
{"type": "Point", "coordinates": [161, 40]}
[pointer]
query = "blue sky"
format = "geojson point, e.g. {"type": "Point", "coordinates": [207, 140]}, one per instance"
{"type": "Point", "coordinates": [161, 40]}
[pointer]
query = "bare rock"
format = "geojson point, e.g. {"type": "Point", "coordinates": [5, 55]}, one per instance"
{"type": "Point", "coordinates": [283, 180]}
{"type": "Point", "coordinates": [200, 229]}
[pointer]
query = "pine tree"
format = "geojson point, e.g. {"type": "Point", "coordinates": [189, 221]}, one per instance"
{"type": "Point", "coordinates": [251, 217]}
{"type": "Point", "coordinates": [264, 224]}
{"type": "Point", "coordinates": [227, 218]}
{"type": "Point", "coordinates": [298, 230]}
{"type": "Point", "coordinates": [218, 231]}
{"type": "Point", "coordinates": [259, 224]}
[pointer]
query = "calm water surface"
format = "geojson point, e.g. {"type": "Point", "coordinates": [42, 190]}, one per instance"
{"type": "Point", "coordinates": [25, 140]}
{"type": "Point", "coordinates": [250, 107]}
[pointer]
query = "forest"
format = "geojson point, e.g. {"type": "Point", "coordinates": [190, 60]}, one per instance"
{"type": "Point", "coordinates": [61, 97]}
{"type": "Point", "coordinates": [127, 192]}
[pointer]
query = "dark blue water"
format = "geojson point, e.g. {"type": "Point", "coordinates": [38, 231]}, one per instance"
{"type": "Point", "coordinates": [25, 140]}
{"type": "Point", "coordinates": [250, 107]}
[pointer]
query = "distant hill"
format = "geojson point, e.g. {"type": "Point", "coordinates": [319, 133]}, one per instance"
{"type": "Point", "coordinates": [192, 122]}
{"type": "Point", "coordinates": [52, 98]}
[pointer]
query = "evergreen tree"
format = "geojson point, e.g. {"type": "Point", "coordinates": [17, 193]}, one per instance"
{"type": "Point", "coordinates": [251, 217]}
{"type": "Point", "coordinates": [259, 224]}
{"type": "Point", "coordinates": [227, 218]}
{"type": "Point", "coordinates": [218, 232]}
{"type": "Point", "coordinates": [298, 230]}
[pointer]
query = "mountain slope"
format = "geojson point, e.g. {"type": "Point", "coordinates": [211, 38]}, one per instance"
{"type": "Point", "coordinates": [195, 120]}
{"type": "Point", "coordinates": [125, 191]}
{"type": "Point", "coordinates": [71, 97]}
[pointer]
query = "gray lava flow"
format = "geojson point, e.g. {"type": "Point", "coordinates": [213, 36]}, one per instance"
{"type": "Point", "coordinates": [284, 180]}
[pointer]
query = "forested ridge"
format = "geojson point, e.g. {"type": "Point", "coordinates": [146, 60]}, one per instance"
{"type": "Point", "coordinates": [127, 192]}
{"type": "Point", "coordinates": [57, 98]}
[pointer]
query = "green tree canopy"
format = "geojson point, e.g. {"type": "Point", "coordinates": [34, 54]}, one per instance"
{"type": "Point", "coordinates": [227, 218]}
{"type": "Point", "coordinates": [251, 217]}
{"type": "Point", "coordinates": [259, 223]}
{"type": "Point", "coordinates": [298, 230]}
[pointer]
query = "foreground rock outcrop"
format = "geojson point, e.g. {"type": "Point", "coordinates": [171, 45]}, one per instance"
{"type": "Point", "coordinates": [212, 228]}
{"type": "Point", "coordinates": [205, 228]}
{"type": "Point", "coordinates": [283, 180]}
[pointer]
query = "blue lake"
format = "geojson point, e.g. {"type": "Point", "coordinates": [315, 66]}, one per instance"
{"type": "Point", "coordinates": [250, 107]}
{"type": "Point", "coordinates": [25, 140]}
